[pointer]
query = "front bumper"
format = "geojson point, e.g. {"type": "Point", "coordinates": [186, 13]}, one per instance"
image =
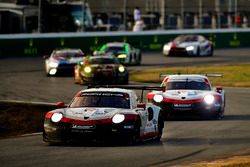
{"type": "Point", "coordinates": [180, 52]}
{"type": "Point", "coordinates": [194, 109]}
{"type": "Point", "coordinates": [64, 69]}
{"type": "Point", "coordinates": [66, 132]}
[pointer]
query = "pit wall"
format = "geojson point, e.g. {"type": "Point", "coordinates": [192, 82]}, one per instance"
{"type": "Point", "coordinates": [42, 44]}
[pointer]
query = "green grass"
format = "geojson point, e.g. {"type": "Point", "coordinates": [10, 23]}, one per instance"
{"type": "Point", "coordinates": [237, 75]}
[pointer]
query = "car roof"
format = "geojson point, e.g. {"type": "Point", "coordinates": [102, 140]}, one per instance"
{"type": "Point", "coordinates": [104, 56]}
{"type": "Point", "coordinates": [121, 44]}
{"type": "Point", "coordinates": [67, 49]}
{"type": "Point", "coordinates": [119, 90]}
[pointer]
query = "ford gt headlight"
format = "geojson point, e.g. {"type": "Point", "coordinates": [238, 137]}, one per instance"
{"type": "Point", "coordinates": [122, 56]}
{"type": "Point", "coordinates": [158, 98]}
{"type": "Point", "coordinates": [121, 69]}
{"type": "Point", "coordinates": [87, 69]}
{"type": "Point", "coordinates": [56, 117]}
{"type": "Point", "coordinates": [53, 64]}
{"type": "Point", "coordinates": [190, 48]}
{"type": "Point", "coordinates": [118, 118]}
{"type": "Point", "coordinates": [209, 99]}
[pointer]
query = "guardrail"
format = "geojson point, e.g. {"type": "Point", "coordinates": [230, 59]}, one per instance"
{"type": "Point", "coordinates": [41, 44]}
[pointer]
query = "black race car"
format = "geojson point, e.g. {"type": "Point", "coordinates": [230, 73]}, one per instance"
{"type": "Point", "coordinates": [100, 70]}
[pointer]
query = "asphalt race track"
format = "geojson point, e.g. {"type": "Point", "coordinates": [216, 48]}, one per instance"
{"type": "Point", "coordinates": [183, 140]}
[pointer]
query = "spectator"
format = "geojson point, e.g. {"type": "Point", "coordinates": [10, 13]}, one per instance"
{"type": "Point", "coordinates": [137, 14]}
{"type": "Point", "coordinates": [139, 25]}
{"type": "Point", "coordinates": [99, 21]}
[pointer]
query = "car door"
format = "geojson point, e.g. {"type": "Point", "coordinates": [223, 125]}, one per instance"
{"type": "Point", "coordinates": [149, 121]}
{"type": "Point", "coordinates": [204, 45]}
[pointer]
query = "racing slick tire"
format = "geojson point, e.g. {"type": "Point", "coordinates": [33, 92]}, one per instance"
{"type": "Point", "coordinates": [211, 52]}
{"type": "Point", "coordinates": [198, 52]}
{"type": "Point", "coordinates": [160, 126]}
{"type": "Point", "coordinates": [134, 137]}
{"type": "Point", "coordinates": [125, 82]}
{"type": "Point", "coordinates": [138, 59]}
{"type": "Point", "coordinates": [219, 115]}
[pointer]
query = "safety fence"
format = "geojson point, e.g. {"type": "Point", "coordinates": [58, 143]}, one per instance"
{"type": "Point", "coordinates": [41, 44]}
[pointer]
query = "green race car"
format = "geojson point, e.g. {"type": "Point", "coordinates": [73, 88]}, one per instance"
{"type": "Point", "coordinates": [125, 53]}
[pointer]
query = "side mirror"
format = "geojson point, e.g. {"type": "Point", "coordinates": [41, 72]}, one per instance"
{"type": "Point", "coordinates": [60, 104]}
{"type": "Point", "coordinates": [219, 89]}
{"type": "Point", "coordinates": [46, 57]}
{"type": "Point", "coordinates": [141, 105]}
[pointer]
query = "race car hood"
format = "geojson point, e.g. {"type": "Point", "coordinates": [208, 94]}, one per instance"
{"type": "Point", "coordinates": [184, 94]}
{"type": "Point", "coordinates": [72, 60]}
{"type": "Point", "coordinates": [103, 66]}
{"type": "Point", "coordinates": [91, 113]}
{"type": "Point", "coordinates": [186, 44]}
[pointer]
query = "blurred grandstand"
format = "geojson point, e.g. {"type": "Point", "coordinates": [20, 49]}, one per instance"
{"type": "Point", "coordinates": [26, 16]}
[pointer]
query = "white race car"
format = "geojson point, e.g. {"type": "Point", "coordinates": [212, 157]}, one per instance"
{"type": "Point", "coordinates": [62, 61]}
{"type": "Point", "coordinates": [100, 113]}
{"type": "Point", "coordinates": [189, 94]}
{"type": "Point", "coordinates": [191, 45]}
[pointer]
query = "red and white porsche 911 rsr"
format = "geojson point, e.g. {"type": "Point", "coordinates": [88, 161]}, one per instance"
{"type": "Point", "coordinates": [104, 113]}
{"type": "Point", "coordinates": [189, 94]}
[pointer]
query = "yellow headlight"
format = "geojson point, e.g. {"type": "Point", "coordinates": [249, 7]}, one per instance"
{"type": "Point", "coordinates": [87, 69]}
{"type": "Point", "coordinates": [121, 69]}
{"type": "Point", "coordinates": [122, 56]}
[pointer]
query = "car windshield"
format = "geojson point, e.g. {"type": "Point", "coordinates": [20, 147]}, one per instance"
{"type": "Point", "coordinates": [68, 54]}
{"type": "Point", "coordinates": [102, 99]}
{"type": "Point", "coordinates": [189, 38]}
{"type": "Point", "coordinates": [115, 49]}
{"type": "Point", "coordinates": [102, 60]}
{"type": "Point", "coordinates": [191, 85]}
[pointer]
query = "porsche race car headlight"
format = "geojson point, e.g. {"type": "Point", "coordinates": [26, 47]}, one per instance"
{"type": "Point", "coordinates": [209, 99]}
{"type": "Point", "coordinates": [56, 117]}
{"type": "Point", "coordinates": [158, 98]}
{"type": "Point", "coordinates": [118, 118]}
{"type": "Point", "coordinates": [122, 56]}
{"type": "Point", "coordinates": [87, 69]}
{"type": "Point", "coordinates": [121, 69]}
{"type": "Point", "coordinates": [53, 64]}
{"type": "Point", "coordinates": [190, 48]}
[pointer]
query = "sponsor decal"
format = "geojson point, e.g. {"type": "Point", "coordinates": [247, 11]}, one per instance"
{"type": "Point", "coordinates": [182, 105]}
{"type": "Point", "coordinates": [101, 94]}
{"type": "Point", "coordinates": [83, 127]}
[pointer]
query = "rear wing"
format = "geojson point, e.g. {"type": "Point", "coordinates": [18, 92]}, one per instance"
{"type": "Point", "coordinates": [131, 87]}
{"type": "Point", "coordinates": [208, 75]}
{"type": "Point", "coordinates": [213, 75]}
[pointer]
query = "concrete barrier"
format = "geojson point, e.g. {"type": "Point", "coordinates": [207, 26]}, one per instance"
{"type": "Point", "coordinates": [41, 44]}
